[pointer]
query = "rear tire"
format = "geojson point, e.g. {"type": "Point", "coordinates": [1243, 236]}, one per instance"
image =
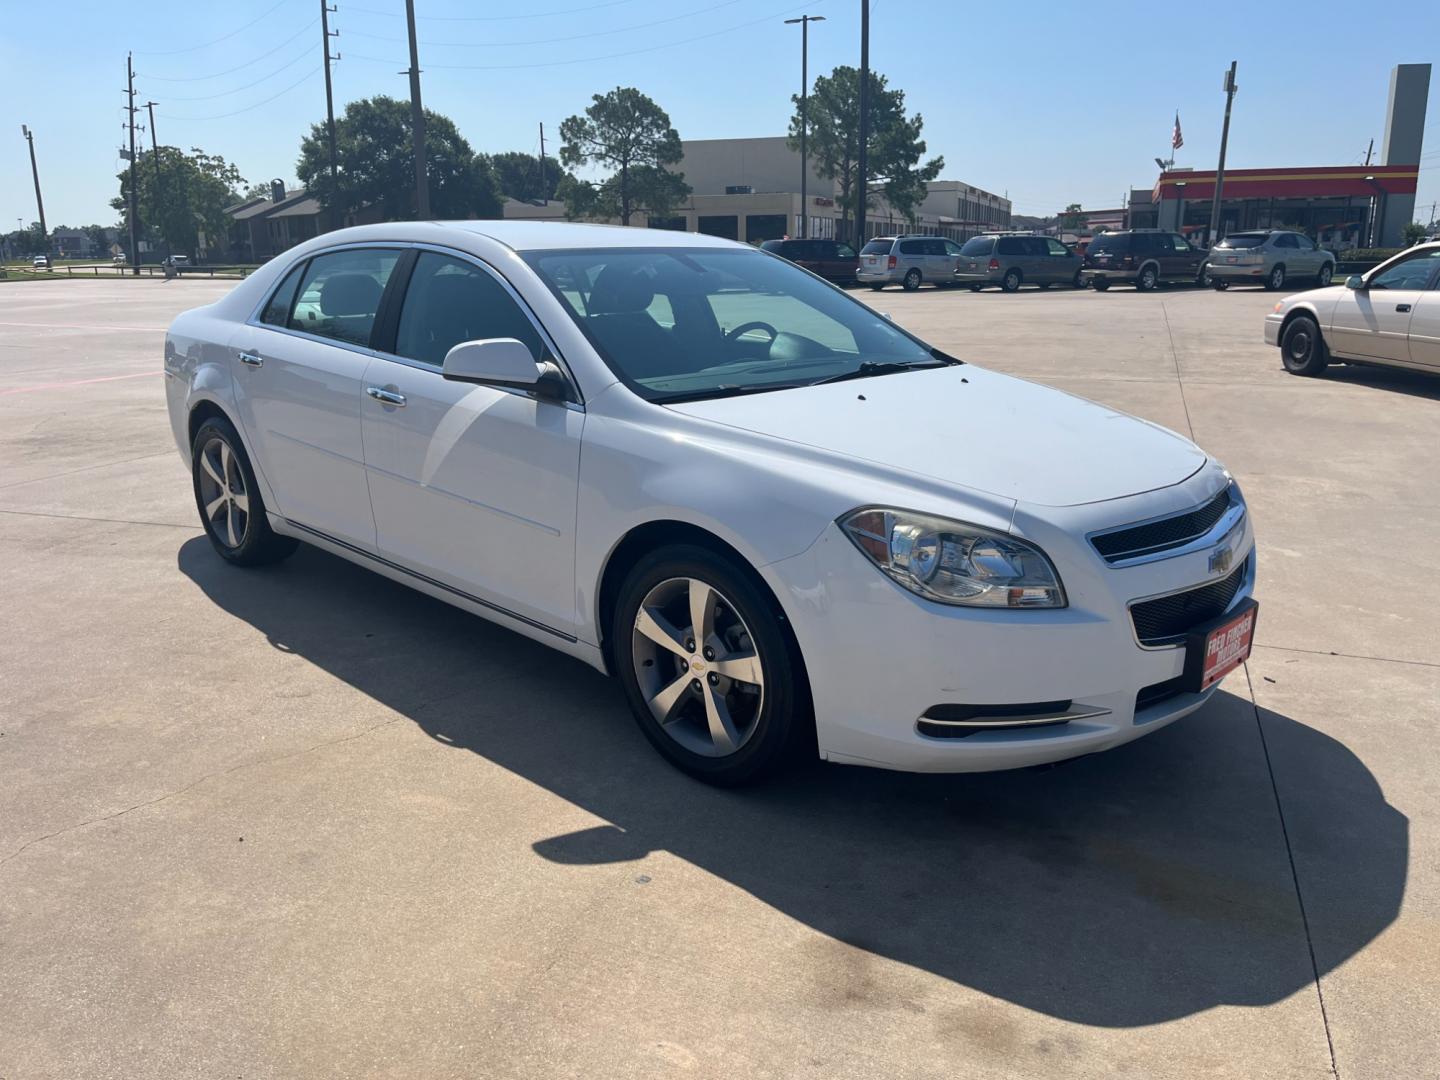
{"type": "Point", "coordinates": [877, 288]}
{"type": "Point", "coordinates": [976, 288]}
{"type": "Point", "coordinates": [1100, 284]}
{"type": "Point", "coordinates": [1275, 280]}
{"type": "Point", "coordinates": [228, 499]}
{"type": "Point", "coordinates": [1012, 280]}
{"type": "Point", "coordinates": [912, 280]}
{"type": "Point", "coordinates": [1219, 284]}
{"type": "Point", "coordinates": [723, 728]}
{"type": "Point", "coordinates": [1147, 279]}
{"type": "Point", "coordinates": [1302, 349]}
{"type": "Point", "coordinates": [1322, 279]}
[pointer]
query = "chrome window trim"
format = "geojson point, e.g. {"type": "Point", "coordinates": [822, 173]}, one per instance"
{"type": "Point", "coordinates": [1247, 586]}
{"type": "Point", "coordinates": [552, 350]}
{"type": "Point", "coordinates": [1217, 532]}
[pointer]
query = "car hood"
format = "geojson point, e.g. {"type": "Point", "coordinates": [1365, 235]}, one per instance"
{"type": "Point", "coordinates": [973, 428]}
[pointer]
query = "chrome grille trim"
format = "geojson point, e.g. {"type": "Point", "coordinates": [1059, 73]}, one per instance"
{"type": "Point", "coordinates": [1171, 535]}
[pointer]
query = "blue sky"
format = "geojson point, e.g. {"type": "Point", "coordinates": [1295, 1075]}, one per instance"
{"type": "Point", "coordinates": [1051, 103]}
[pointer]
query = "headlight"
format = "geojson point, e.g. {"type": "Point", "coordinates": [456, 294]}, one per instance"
{"type": "Point", "coordinates": [955, 563]}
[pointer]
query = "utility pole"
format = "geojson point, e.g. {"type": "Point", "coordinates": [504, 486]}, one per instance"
{"type": "Point", "coordinates": [1230, 89]}
{"type": "Point", "coordinates": [861, 162]}
{"type": "Point", "coordinates": [134, 207]}
{"type": "Point", "coordinates": [155, 199]}
{"type": "Point", "coordinates": [35, 172]}
{"type": "Point", "coordinates": [417, 120]}
{"type": "Point", "coordinates": [325, 36]}
{"type": "Point", "coordinates": [542, 162]}
{"type": "Point", "coordinates": [804, 21]}
{"type": "Point", "coordinates": [1368, 151]}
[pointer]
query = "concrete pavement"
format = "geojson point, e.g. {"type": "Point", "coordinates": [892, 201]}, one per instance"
{"type": "Point", "coordinates": [303, 821]}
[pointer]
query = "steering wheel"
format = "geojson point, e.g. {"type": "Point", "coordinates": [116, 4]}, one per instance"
{"type": "Point", "coordinates": [745, 328]}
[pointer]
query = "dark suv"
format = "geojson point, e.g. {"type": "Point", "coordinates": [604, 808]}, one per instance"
{"type": "Point", "coordinates": [1144, 258]}
{"type": "Point", "coordinates": [830, 259]}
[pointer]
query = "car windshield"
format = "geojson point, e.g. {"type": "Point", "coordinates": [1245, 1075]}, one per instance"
{"type": "Point", "coordinates": [877, 247]}
{"type": "Point", "coordinates": [1242, 240]}
{"type": "Point", "coordinates": [691, 323]}
{"type": "Point", "coordinates": [980, 245]}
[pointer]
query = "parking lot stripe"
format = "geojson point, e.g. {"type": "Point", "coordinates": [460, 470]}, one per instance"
{"type": "Point", "coordinates": [85, 326]}
{"type": "Point", "coordinates": [76, 382]}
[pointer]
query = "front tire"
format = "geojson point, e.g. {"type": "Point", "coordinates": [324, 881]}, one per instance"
{"type": "Point", "coordinates": [912, 281]}
{"type": "Point", "coordinates": [877, 287]}
{"type": "Point", "coordinates": [1219, 284]}
{"type": "Point", "coordinates": [1302, 349]}
{"type": "Point", "coordinates": [976, 288]}
{"type": "Point", "coordinates": [1078, 281]}
{"type": "Point", "coordinates": [709, 670]}
{"type": "Point", "coordinates": [228, 499]}
{"type": "Point", "coordinates": [1202, 279]}
{"type": "Point", "coordinates": [1100, 284]}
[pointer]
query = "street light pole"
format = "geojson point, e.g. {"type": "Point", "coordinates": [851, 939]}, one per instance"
{"type": "Point", "coordinates": [863, 182]}
{"type": "Point", "coordinates": [35, 172]}
{"type": "Point", "coordinates": [804, 21]}
{"type": "Point", "coordinates": [1230, 89]}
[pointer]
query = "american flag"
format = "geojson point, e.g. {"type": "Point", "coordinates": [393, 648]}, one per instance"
{"type": "Point", "coordinates": [1177, 140]}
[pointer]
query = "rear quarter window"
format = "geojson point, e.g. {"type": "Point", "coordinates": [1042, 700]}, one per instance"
{"type": "Point", "coordinates": [1010, 245]}
{"type": "Point", "coordinates": [877, 247]}
{"type": "Point", "coordinates": [1109, 245]}
{"type": "Point", "coordinates": [980, 245]}
{"type": "Point", "coordinates": [912, 247]}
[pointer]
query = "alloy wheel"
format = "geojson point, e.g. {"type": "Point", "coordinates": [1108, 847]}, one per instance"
{"type": "Point", "coordinates": [224, 500]}
{"type": "Point", "coordinates": [697, 667]}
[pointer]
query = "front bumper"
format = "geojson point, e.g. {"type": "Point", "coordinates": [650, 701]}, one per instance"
{"type": "Point", "coordinates": [878, 657]}
{"type": "Point", "coordinates": [1273, 322]}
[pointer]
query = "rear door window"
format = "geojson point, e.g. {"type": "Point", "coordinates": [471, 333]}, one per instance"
{"type": "Point", "coordinates": [341, 293]}
{"type": "Point", "coordinates": [1010, 245]}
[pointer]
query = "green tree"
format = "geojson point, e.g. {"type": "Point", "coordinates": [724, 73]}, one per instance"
{"type": "Point", "coordinates": [895, 146]}
{"type": "Point", "coordinates": [1413, 233]}
{"type": "Point", "coordinates": [1073, 217]}
{"type": "Point", "coordinates": [187, 194]}
{"type": "Point", "coordinates": [27, 241]}
{"type": "Point", "coordinates": [623, 131]}
{"type": "Point", "coordinates": [525, 177]}
{"type": "Point", "coordinates": [376, 164]}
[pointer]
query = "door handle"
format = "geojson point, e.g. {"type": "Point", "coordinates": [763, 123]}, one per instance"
{"type": "Point", "coordinates": [1402, 307]}
{"type": "Point", "coordinates": [389, 397]}
{"type": "Point", "coordinates": [251, 358]}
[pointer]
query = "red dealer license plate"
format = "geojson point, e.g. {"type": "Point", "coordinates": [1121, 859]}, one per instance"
{"type": "Point", "coordinates": [1213, 653]}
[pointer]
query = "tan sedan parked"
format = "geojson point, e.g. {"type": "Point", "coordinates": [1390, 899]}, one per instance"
{"type": "Point", "coordinates": [1389, 316]}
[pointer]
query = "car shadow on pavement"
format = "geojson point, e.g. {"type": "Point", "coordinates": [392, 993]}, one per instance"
{"type": "Point", "coordinates": [1398, 380]}
{"type": "Point", "coordinates": [1129, 888]}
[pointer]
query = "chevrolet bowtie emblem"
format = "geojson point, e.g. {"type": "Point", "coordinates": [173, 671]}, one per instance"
{"type": "Point", "coordinates": [1220, 559]}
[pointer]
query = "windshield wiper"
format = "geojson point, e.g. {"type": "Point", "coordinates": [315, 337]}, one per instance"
{"type": "Point", "coordinates": [724, 391]}
{"type": "Point", "coordinates": [877, 367]}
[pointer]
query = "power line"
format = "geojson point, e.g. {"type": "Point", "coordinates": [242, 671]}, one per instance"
{"type": "Point", "coordinates": [491, 18]}
{"type": "Point", "coordinates": [592, 59]}
{"type": "Point", "coordinates": [253, 82]}
{"type": "Point", "coordinates": [554, 40]}
{"type": "Point", "coordinates": [238, 67]}
{"type": "Point", "coordinates": [221, 116]}
{"type": "Point", "coordinates": [196, 48]}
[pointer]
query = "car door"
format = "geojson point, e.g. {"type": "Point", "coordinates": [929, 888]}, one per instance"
{"type": "Point", "coordinates": [1307, 256]}
{"type": "Point", "coordinates": [472, 486]}
{"type": "Point", "coordinates": [298, 382]}
{"type": "Point", "coordinates": [844, 262]}
{"type": "Point", "coordinates": [1374, 322]}
{"type": "Point", "coordinates": [938, 266]}
{"type": "Point", "coordinates": [952, 257]}
{"type": "Point", "coordinates": [1060, 264]}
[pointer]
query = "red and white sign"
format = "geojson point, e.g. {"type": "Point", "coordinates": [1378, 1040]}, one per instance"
{"type": "Point", "coordinates": [1227, 647]}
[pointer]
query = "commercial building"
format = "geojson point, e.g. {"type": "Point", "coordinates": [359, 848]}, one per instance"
{"type": "Point", "coordinates": [749, 190]}
{"type": "Point", "coordinates": [1341, 206]}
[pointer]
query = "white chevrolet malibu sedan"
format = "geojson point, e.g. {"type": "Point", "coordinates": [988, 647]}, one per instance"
{"type": "Point", "coordinates": [779, 519]}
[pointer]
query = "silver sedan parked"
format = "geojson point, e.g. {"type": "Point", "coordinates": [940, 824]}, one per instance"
{"type": "Point", "coordinates": [1270, 258]}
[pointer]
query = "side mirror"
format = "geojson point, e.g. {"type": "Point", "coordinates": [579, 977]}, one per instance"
{"type": "Point", "coordinates": [1355, 281]}
{"type": "Point", "coordinates": [503, 362]}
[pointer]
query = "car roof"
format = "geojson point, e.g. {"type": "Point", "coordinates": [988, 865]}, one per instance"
{"type": "Point", "coordinates": [543, 235]}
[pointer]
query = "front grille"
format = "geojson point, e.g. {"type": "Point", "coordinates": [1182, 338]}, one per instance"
{"type": "Point", "coordinates": [1167, 619]}
{"type": "Point", "coordinates": [1162, 535]}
